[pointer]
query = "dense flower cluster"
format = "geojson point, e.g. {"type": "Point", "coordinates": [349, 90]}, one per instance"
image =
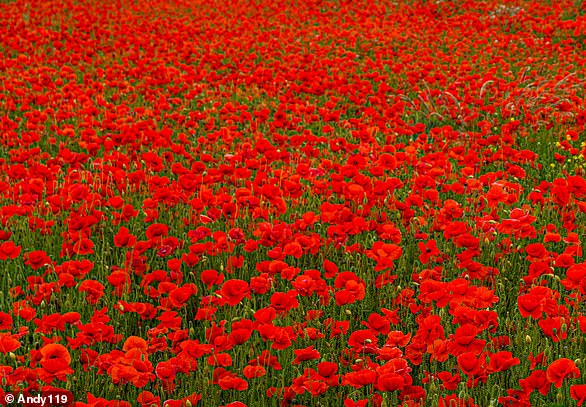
{"type": "Point", "coordinates": [293, 203]}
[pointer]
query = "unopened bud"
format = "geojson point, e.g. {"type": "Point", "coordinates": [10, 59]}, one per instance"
{"type": "Point", "coordinates": [527, 339]}
{"type": "Point", "coordinates": [348, 312]}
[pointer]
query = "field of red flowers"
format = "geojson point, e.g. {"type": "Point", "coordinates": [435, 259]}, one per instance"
{"type": "Point", "coordinates": [293, 203]}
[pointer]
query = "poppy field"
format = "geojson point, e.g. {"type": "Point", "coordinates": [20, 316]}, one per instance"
{"type": "Point", "coordinates": [293, 203]}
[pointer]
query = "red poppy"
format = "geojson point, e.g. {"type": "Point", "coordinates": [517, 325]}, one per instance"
{"type": "Point", "coordinates": [94, 290]}
{"type": "Point", "coordinates": [234, 291]}
{"type": "Point", "coordinates": [179, 296]}
{"type": "Point", "coordinates": [352, 288]}
{"type": "Point", "coordinates": [5, 321]}
{"type": "Point", "coordinates": [254, 371]}
{"type": "Point", "coordinates": [359, 378]}
{"type": "Point", "coordinates": [561, 369]}
{"type": "Point", "coordinates": [135, 342]}
{"type": "Point", "coordinates": [148, 399]}
{"type": "Point", "coordinates": [123, 238]}
{"type": "Point", "coordinates": [449, 381]}
{"type": "Point", "coordinates": [575, 275]}
{"type": "Point", "coordinates": [578, 393]}
{"type": "Point", "coordinates": [8, 250]}
{"type": "Point", "coordinates": [363, 341]}
{"type": "Point", "coordinates": [465, 340]}
{"type": "Point", "coordinates": [37, 259]}
{"type": "Point", "coordinates": [537, 380]}
{"type": "Point", "coordinates": [229, 381]}
{"type": "Point", "coordinates": [501, 361]}
{"type": "Point", "coordinates": [55, 361]}
{"type": "Point", "coordinates": [8, 343]}
{"type": "Point", "coordinates": [156, 231]}
{"type": "Point", "coordinates": [305, 354]}
{"type": "Point", "coordinates": [530, 305]}
{"type": "Point", "coordinates": [472, 363]}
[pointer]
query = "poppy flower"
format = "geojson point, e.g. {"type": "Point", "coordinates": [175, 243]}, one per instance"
{"type": "Point", "coordinates": [351, 403]}
{"type": "Point", "coordinates": [179, 296]}
{"type": "Point", "coordinates": [8, 250]}
{"type": "Point", "coordinates": [156, 231]}
{"type": "Point", "coordinates": [449, 381]}
{"type": "Point", "coordinates": [283, 302]}
{"type": "Point", "coordinates": [472, 363]}
{"type": "Point", "coordinates": [93, 289]}
{"type": "Point", "coordinates": [390, 382]}
{"type": "Point", "coordinates": [5, 321]}
{"type": "Point", "coordinates": [233, 291]}
{"type": "Point", "coordinates": [352, 288]}
{"type": "Point", "coordinates": [537, 380]}
{"type": "Point", "coordinates": [37, 259]}
{"type": "Point", "coordinates": [530, 305]}
{"type": "Point", "coordinates": [574, 276]}
{"type": "Point", "coordinates": [8, 343]}
{"type": "Point", "coordinates": [251, 372]}
{"type": "Point", "coordinates": [55, 361]}
{"type": "Point", "coordinates": [561, 369]}
{"type": "Point", "coordinates": [302, 355]}
{"type": "Point", "coordinates": [123, 238]}
{"type": "Point", "coordinates": [578, 393]}
{"type": "Point", "coordinates": [359, 378]}
{"type": "Point", "coordinates": [501, 361]}
{"type": "Point", "coordinates": [229, 381]}
{"type": "Point", "coordinates": [464, 340]}
{"type": "Point", "coordinates": [148, 399]}
{"type": "Point", "coordinates": [135, 342]}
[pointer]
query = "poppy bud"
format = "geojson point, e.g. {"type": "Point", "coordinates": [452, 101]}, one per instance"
{"type": "Point", "coordinates": [564, 328]}
{"type": "Point", "coordinates": [191, 331]}
{"type": "Point", "coordinates": [559, 397]}
{"type": "Point", "coordinates": [188, 403]}
{"type": "Point", "coordinates": [527, 339]}
{"type": "Point", "coordinates": [12, 356]}
{"type": "Point", "coordinates": [578, 362]}
{"type": "Point", "coordinates": [348, 312]}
